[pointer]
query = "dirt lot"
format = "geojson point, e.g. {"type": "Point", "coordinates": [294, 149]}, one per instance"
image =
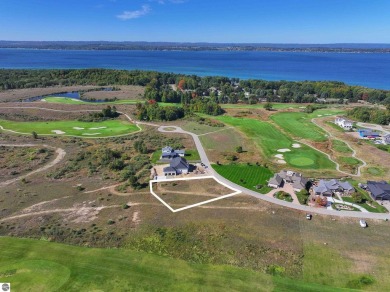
{"type": "Point", "coordinates": [17, 161]}
{"type": "Point", "coordinates": [184, 193]}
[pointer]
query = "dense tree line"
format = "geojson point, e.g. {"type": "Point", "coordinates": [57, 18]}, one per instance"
{"type": "Point", "coordinates": [152, 111]}
{"type": "Point", "coordinates": [371, 115]}
{"type": "Point", "coordinates": [179, 88]}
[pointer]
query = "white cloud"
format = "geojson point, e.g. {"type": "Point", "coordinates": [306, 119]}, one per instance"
{"type": "Point", "coordinates": [126, 15]}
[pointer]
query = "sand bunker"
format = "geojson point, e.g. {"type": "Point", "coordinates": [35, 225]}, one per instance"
{"type": "Point", "coordinates": [98, 128]}
{"type": "Point", "coordinates": [319, 115]}
{"type": "Point", "coordinates": [281, 161]}
{"type": "Point", "coordinates": [280, 156]}
{"type": "Point", "coordinates": [295, 145]}
{"type": "Point", "coordinates": [58, 132]}
{"type": "Point", "coordinates": [91, 134]}
{"type": "Point", "coordinates": [284, 150]}
{"type": "Point", "coordinates": [78, 128]}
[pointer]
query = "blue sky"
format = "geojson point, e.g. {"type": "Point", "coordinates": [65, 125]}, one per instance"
{"type": "Point", "coordinates": [257, 21]}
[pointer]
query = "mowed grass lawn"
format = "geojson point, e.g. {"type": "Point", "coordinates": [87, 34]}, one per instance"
{"type": "Point", "coordinates": [248, 176]}
{"type": "Point", "coordinates": [72, 128]}
{"type": "Point", "coordinates": [270, 140]}
{"type": "Point", "coordinates": [33, 265]}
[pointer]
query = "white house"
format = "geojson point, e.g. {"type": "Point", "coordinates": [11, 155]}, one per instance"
{"type": "Point", "coordinates": [343, 123]}
{"type": "Point", "coordinates": [386, 139]}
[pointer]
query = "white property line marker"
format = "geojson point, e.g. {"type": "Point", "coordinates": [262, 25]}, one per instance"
{"type": "Point", "coordinates": [236, 192]}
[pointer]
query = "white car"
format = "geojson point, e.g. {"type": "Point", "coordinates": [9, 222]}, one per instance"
{"type": "Point", "coordinates": [363, 223]}
{"type": "Point", "coordinates": [308, 216]}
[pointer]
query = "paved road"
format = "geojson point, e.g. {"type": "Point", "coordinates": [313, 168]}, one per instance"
{"type": "Point", "coordinates": [306, 209]}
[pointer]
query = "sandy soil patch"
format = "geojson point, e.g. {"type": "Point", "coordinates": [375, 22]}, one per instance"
{"type": "Point", "coordinates": [91, 134]}
{"type": "Point", "coordinates": [280, 156]}
{"type": "Point", "coordinates": [58, 132]}
{"type": "Point", "coordinates": [78, 128]}
{"type": "Point", "coordinates": [284, 150]}
{"type": "Point", "coordinates": [98, 128]}
{"type": "Point", "coordinates": [281, 161]}
{"type": "Point", "coordinates": [296, 145]}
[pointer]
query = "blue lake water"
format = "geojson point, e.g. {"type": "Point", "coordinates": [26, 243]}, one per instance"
{"type": "Point", "coordinates": [371, 70]}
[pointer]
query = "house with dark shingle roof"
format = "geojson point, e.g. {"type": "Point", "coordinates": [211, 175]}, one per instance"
{"type": "Point", "coordinates": [329, 187]}
{"type": "Point", "coordinates": [286, 176]}
{"type": "Point", "coordinates": [177, 166]}
{"type": "Point", "coordinates": [379, 190]}
{"type": "Point", "coordinates": [170, 153]}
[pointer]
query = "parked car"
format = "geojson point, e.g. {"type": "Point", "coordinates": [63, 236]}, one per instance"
{"type": "Point", "coordinates": [363, 223]}
{"type": "Point", "coordinates": [308, 216]}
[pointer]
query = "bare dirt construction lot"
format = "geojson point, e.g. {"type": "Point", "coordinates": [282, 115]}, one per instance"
{"type": "Point", "coordinates": [21, 94]}
{"type": "Point", "coordinates": [188, 192]}
{"type": "Point", "coordinates": [120, 92]}
{"type": "Point", "coordinates": [17, 161]}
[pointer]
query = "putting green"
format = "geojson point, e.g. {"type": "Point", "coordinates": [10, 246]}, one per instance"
{"type": "Point", "coordinates": [32, 275]}
{"type": "Point", "coordinates": [301, 161]}
{"type": "Point", "coordinates": [71, 128]}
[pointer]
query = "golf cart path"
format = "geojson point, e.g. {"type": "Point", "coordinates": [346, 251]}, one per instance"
{"type": "Point", "coordinates": [358, 172]}
{"type": "Point", "coordinates": [60, 155]}
{"type": "Point", "coordinates": [270, 199]}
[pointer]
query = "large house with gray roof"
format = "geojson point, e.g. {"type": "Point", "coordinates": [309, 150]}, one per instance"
{"type": "Point", "coordinates": [169, 153]}
{"type": "Point", "coordinates": [379, 190]}
{"type": "Point", "coordinates": [329, 187]}
{"type": "Point", "coordinates": [286, 176]}
{"type": "Point", "coordinates": [177, 166]}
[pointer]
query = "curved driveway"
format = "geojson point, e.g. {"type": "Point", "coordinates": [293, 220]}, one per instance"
{"type": "Point", "coordinates": [307, 209]}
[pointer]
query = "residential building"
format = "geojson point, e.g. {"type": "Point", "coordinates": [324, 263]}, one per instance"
{"type": "Point", "coordinates": [177, 166]}
{"type": "Point", "coordinates": [386, 139]}
{"type": "Point", "coordinates": [343, 123]}
{"type": "Point", "coordinates": [379, 190]}
{"type": "Point", "coordinates": [286, 176]}
{"type": "Point", "coordinates": [366, 133]}
{"type": "Point", "coordinates": [169, 153]}
{"type": "Point", "coordinates": [329, 187]}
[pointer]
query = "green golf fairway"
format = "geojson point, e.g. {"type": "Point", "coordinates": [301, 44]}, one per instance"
{"type": "Point", "coordinates": [72, 128]}
{"type": "Point", "coordinates": [68, 100]}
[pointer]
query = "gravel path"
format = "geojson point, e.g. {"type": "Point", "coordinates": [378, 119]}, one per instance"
{"type": "Point", "coordinates": [60, 155]}
{"type": "Point", "coordinates": [358, 172]}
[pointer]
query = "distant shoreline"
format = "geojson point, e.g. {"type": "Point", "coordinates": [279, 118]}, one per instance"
{"type": "Point", "coordinates": [162, 46]}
